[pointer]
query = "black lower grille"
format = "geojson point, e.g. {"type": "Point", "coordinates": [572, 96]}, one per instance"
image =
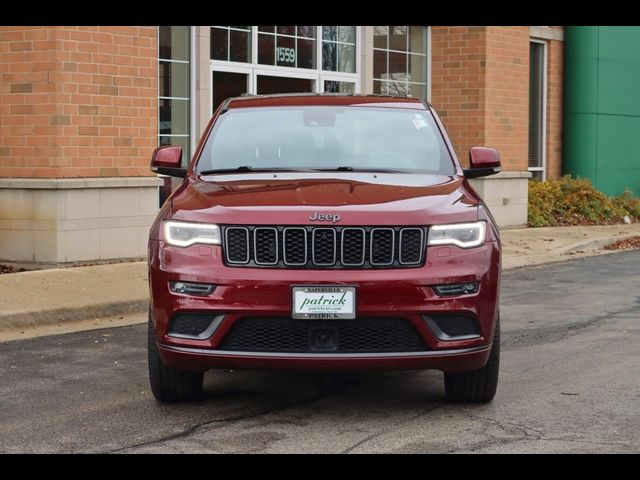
{"type": "Point", "coordinates": [287, 335]}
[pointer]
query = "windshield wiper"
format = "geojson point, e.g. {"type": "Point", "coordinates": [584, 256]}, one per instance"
{"type": "Point", "coordinates": [247, 169]}
{"type": "Point", "coordinates": [347, 168]}
{"type": "Point", "coordinates": [240, 169]}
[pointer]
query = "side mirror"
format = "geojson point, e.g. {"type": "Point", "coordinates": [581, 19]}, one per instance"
{"type": "Point", "coordinates": [167, 161]}
{"type": "Point", "coordinates": [483, 161]}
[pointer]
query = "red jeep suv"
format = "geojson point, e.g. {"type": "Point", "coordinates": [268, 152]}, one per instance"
{"type": "Point", "coordinates": [324, 232]}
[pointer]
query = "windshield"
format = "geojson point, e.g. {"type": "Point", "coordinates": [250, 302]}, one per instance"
{"type": "Point", "coordinates": [325, 138]}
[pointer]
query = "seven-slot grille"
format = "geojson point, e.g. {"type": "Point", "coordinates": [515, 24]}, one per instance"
{"type": "Point", "coordinates": [324, 247]}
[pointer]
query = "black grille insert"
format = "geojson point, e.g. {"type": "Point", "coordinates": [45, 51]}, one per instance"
{"type": "Point", "coordinates": [287, 335]}
{"type": "Point", "coordinates": [237, 244]}
{"type": "Point", "coordinates": [265, 246]}
{"type": "Point", "coordinates": [190, 324]}
{"type": "Point", "coordinates": [382, 246]}
{"type": "Point", "coordinates": [411, 240]}
{"type": "Point", "coordinates": [324, 247]}
{"type": "Point", "coordinates": [295, 246]}
{"type": "Point", "coordinates": [353, 246]}
{"type": "Point", "coordinates": [452, 326]}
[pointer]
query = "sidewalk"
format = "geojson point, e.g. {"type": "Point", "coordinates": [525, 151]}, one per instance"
{"type": "Point", "coordinates": [55, 296]}
{"type": "Point", "coordinates": [525, 247]}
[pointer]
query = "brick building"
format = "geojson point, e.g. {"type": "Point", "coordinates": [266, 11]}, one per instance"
{"type": "Point", "coordinates": [82, 108]}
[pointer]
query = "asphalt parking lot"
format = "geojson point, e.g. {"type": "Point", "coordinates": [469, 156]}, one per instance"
{"type": "Point", "coordinates": [570, 382]}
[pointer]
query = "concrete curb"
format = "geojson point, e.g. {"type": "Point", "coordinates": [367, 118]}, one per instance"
{"type": "Point", "coordinates": [59, 315]}
{"type": "Point", "coordinates": [593, 244]}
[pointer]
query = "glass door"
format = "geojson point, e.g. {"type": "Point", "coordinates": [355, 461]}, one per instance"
{"type": "Point", "coordinates": [337, 84]}
{"type": "Point", "coordinates": [272, 84]}
{"type": "Point", "coordinates": [229, 82]}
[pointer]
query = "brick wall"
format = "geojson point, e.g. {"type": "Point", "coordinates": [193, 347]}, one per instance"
{"type": "Point", "coordinates": [479, 86]}
{"type": "Point", "coordinates": [458, 62]}
{"type": "Point", "coordinates": [507, 110]}
{"type": "Point", "coordinates": [77, 101]}
{"type": "Point", "coordinates": [554, 108]}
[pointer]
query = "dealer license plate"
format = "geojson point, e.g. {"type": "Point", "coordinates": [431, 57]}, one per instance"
{"type": "Point", "coordinates": [324, 302]}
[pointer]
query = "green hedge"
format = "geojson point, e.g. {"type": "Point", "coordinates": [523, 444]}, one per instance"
{"type": "Point", "coordinates": [574, 201]}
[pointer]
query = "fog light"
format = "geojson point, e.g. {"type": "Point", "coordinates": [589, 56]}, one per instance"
{"type": "Point", "coordinates": [455, 289]}
{"type": "Point", "coordinates": [190, 288]}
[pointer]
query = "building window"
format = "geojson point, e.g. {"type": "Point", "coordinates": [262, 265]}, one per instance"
{"type": "Point", "coordinates": [400, 65]}
{"type": "Point", "coordinates": [231, 44]}
{"type": "Point", "coordinates": [287, 46]}
{"type": "Point", "coordinates": [283, 59]}
{"type": "Point", "coordinates": [174, 80]}
{"type": "Point", "coordinates": [537, 109]}
{"type": "Point", "coordinates": [339, 49]}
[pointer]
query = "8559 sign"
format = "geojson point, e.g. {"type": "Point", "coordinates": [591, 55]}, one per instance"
{"type": "Point", "coordinates": [285, 55]}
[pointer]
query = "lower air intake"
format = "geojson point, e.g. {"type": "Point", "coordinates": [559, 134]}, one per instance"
{"type": "Point", "coordinates": [360, 335]}
{"type": "Point", "coordinates": [453, 326]}
{"type": "Point", "coordinates": [194, 325]}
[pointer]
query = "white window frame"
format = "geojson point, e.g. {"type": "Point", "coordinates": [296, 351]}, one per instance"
{"type": "Point", "coordinates": [427, 59]}
{"type": "Point", "coordinates": [229, 67]}
{"type": "Point", "coordinates": [188, 99]}
{"type": "Point", "coordinates": [253, 69]}
{"type": "Point", "coordinates": [428, 63]}
{"type": "Point", "coordinates": [334, 78]}
{"type": "Point", "coordinates": [193, 58]}
{"type": "Point", "coordinates": [543, 127]}
{"type": "Point", "coordinates": [289, 73]}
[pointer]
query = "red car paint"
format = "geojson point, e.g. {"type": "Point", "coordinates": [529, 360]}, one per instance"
{"type": "Point", "coordinates": [289, 198]}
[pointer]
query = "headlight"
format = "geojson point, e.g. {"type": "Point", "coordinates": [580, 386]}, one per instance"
{"type": "Point", "coordinates": [464, 235]}
{"type": "Point", "coordinates": [182, 234]}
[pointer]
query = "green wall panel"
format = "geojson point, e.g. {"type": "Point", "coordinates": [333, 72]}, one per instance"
{"type": "Point", "coordinates": [582, 86]}
{"type": "Point", "coordinates": [610, 180]}
{"type": "Point", "coordinates": [580, 145]}
{"type": "Point", "coordinates": [618, 87]}
{"type": "Point", "coordinates": [619, 44]}
{"type": "Point", "coordinates": [581, 42]}
{"type": "Point", "coordinates": [602, 106]}
{"type": "Point", "coordinates": [618, 142]}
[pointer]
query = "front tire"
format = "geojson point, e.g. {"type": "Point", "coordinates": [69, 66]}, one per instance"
{"type": "Point", "coordinates": [169, 384]}
{"type": "Point", "coordinates": [476, 386]}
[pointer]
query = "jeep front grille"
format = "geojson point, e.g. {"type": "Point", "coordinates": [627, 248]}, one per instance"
{"type": "Point", "coordinates": [324, 247]}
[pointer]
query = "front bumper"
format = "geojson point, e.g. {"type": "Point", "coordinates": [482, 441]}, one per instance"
{"type": "Point", "coordinates": [446, 360]}
{"type": "Point", "coordinates": [262, 292]}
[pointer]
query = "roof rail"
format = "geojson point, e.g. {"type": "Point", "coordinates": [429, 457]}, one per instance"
{"type": "Point", "coordinates": [317, 94]}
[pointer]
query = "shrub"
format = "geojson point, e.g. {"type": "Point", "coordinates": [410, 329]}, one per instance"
{"type": "Point", "coordinates": [629, 203]}
{"type": "Point", "coordinates": [574, 201]}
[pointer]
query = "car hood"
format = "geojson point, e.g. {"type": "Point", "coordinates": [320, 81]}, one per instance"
{"type": "Point", "coordinates": [358, 199]}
